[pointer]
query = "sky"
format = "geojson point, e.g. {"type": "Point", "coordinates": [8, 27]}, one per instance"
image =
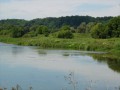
{"type": "Point", "coordinates": [31, 9]}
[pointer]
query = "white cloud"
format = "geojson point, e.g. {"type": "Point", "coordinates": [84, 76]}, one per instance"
{"type": "Point", "coordinates": [29, 9]}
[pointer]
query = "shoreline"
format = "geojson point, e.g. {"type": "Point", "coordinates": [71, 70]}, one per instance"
{"type": "Point", "coordinates": [111, 45]}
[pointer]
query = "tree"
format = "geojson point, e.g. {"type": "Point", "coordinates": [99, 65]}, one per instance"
{"type": "Point", "coordinates": [33, 28]}
{"type": "Point", "coordinates": [65, 32]}
{"type": "Point", "coordinates": [47, 25]}
{"type": "Point", "coordinates": [98, 31]}
{"type": "Point", "coordinates": [89, 26]}
{"type": "Point", "coordinates": [16, 32]}
{"type": "Point", "coordinates": [45, 31]}
{"type": "Point", "coordinates": [113, 27]}
{"type": "Point", "coordinates": [81, 28]}
{"type": "Point", "coordinates": [39, 29]}
{"type": "Point", "coordinates": [65, 27]}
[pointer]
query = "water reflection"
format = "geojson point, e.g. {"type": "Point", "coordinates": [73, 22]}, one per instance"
{"type": "Point", "coordinates": [112, 61]}
{"type": "Point", "coordinates": [42, 52]}
{"type": "Point", "coordinates": [45, 69]}
{"type": "Point", "coordinates": [80, 53]}
{"type": "Point", "coordinates": [74, 53]}
{"type": "Point", "coordinates": [17, 50]}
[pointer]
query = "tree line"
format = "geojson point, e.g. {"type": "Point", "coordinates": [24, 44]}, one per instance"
{"type": "Point", "coordinates": [62, 27]}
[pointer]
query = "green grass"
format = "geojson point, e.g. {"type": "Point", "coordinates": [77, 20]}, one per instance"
{"type": "Point", "coordinates": [79, 42]}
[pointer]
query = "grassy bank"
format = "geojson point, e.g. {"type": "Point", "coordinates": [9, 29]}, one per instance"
{"type": "Point", "coordinates": [79, 42]}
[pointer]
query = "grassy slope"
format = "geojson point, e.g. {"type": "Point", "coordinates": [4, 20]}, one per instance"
{"type": "Point", "coordinates": [79, 42]}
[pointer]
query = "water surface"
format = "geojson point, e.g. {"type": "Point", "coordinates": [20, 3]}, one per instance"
{"type": "Point", "coordinates": [47, 69]}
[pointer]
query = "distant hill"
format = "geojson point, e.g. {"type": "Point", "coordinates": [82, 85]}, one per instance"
{"type": "Point", "coordinates": [53, 22]}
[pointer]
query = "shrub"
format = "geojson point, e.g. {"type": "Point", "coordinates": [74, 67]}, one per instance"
{"type": "Point", "coordinates": [113, 27]}
{"type": "Point", "coordinates": [98, 31]}
{"type": "Point", "coordinates": [65, 34]}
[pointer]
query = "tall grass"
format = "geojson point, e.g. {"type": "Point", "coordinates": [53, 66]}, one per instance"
{"type": "Point", "coordinates": [79, 42]}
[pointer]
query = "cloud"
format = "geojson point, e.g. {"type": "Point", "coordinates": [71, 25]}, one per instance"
{"type": "Point", "coordinates": [30, 9]}
{"type": "Point", "coordinates": [93, 7]}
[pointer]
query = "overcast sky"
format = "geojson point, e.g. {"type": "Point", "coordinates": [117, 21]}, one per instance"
{"type": "Point", "coordinates": [31, 9]}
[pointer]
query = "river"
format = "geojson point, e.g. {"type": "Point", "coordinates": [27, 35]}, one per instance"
{"type": "Point", "coordinates": [48, 69]}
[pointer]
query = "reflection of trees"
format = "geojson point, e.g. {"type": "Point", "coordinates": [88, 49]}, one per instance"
{"type": "Point", "coordinates": [112, 60]}
{"type": "Point", "coordinates": [43, 52]}
{"type": "Point", "coordinates": [39, 50]}
{"type": "Point", "coordinates": [114, 65]}
{"type": "Point", "coordinates": [74, 54]}
{"type": "Point", "coordinates": [66, 54]}
{"type": "Point", "coordinates": [17, 49]}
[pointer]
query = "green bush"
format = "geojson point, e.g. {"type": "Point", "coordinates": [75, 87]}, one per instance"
{"type": "Point", "coordinates": [111, 29]}
{"type": "Point", "coordinates": [30, 34]}
{"type": "Point", "coordinates": [5, 32]}
{"type": "Point", "coordinates": [65, 34]}
{"type": "Point", "coordinates": [99, 31]}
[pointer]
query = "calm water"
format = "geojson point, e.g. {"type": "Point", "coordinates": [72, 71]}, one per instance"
{"type": "Point", "coordinates": [46, 69]}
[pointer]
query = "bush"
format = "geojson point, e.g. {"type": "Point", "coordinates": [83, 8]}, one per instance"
{"type": "Point", "coordinates": [42, 30]}
{"type": "Point", "coordinates": [30, 34]}
{"type": "Point", "coordinates": [4, 32]}
{"type": "Point", "coordinates": [99, 31]}
{"type": "Point", "coordinates": [65, 34]}
{"type": "Point", "coordinates": [113, 27]}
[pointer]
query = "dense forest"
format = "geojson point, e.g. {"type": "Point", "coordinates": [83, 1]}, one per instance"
{"type": "Point", "coordinates": [62, 27]}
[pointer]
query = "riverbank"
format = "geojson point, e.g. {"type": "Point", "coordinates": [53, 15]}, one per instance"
{"type": "Point", "coordinates": [79, 42]}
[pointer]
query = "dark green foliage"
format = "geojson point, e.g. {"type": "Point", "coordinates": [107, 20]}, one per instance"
{"type": "Point", "coordinates": [26, 29]}
{"type": "Point", "coordinates": [18, 28]}
{"type": "Point", "coordinates": [103, 19]}
{"type": "Point", "coordinates": [73, 21]}
{"type": "Point", "coordinates": [98, 31]}
{"type": "Point", "coordinates": [33, 28]}
{"type": "Point", "coordinates": [65, 27]}
{"type": "Point", "coordinates": [30, 34]}
{"type": "Point", "coordinates": [42, 30]}
{"type": "Point", "coordinates": [39, 30]}
{"type": "Point", "coordinates": [113, 27]}
{"type": "Point", "coordinates": [89, 26]}
{"type": "Point", "coordinates": [85, 28]}
{"type": "Point", "coordinates": [17, 32]}
{"type": "Point", "coordinates": [5, 32]}
{"type": "Point", "coordinates": [65, 32]}
{"type": "Point", "coordinates": [13, 27]}
{"type": "Point", "coordinates": [81, 28]}
{"type": "Point", "coordinates": [16, 22]}
{"type": "Point", "coordinates": [45, 30]}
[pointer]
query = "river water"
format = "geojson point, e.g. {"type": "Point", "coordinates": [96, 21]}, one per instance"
{"type": "Point", "coordinates": [47, 69]}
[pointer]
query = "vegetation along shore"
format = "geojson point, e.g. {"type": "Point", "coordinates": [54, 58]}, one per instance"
{"type": "Point", "coordinates": [70, 32]}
